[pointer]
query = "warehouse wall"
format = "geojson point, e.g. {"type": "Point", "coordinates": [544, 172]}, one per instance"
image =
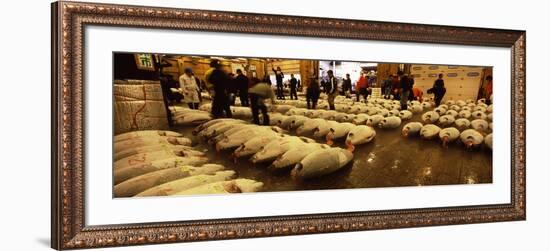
{"type": "Point", "coordinates": [251, 67]}
{"type": "Point", "coordinates": [462, 82]}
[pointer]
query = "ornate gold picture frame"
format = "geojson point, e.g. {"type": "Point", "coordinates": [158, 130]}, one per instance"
{"type": "Point", "coordinates": [69, 20]}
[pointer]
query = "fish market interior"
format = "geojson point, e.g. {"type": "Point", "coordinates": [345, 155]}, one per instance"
{"type": "Point", "coordinates": [187, 125]}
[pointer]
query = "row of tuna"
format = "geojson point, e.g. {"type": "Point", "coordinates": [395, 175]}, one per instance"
{"type": "Point", "coordinates": [470, 137]}
{"type": "Point", "coordinates": [270, 144]}
{"type": "Point", "coordinates": [159, 163]}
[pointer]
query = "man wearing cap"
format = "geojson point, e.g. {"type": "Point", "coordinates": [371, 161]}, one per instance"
{"type": "Point", "coordinates": [189, 89]}
{"type": "Point", "coordinates": [259, 92]}
{"type": "Point", "coordinates": [218, 80]}
{"type": "Point", "coordinates": [405, 90]}
{"type": "Point", "coordinates": [332, 89]}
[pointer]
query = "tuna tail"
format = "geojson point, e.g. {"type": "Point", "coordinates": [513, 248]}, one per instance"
{"type": "Point", "coordinates": [329, 137]}
{"type": "Point", "coordinates": [350, 146]}
{"type": "Point", "coordinates": [294, 172]}
{"type": "Point", "coordinates": [445, 140]}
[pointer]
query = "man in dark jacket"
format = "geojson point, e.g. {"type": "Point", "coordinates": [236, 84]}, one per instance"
{"type": "Point", "coordinates": [332, 89]}
{"type": "Point", "coordinates": [346, 86]}
{"type": "Point", "coordinates": [293, 86]}
{"type": "Point", "coordinates": [438, 90]}
{"type": "Point", "coordinates": [259, 92]}
{"type": "Point", "coordinates": [219, 80]}
{"type": "Point", "coordinates": [312, 93]}
{"type": "Point", "coordinates": [279, 75]}
{"type": "Point", "coordinates": [242, 85]}
{"type": "Point", "coordinates": [405, 90]}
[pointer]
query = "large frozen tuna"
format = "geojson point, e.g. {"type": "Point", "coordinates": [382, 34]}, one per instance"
{"type": "Point", "coordinates": [238, 138]}
{"type": "Point", "coordinates": [489, 140]}
{"type": "Point", "coordinates": [314, 113]}
{"type": "Point", "coordinates": [278, 147]}
{"type": "Point", "coordinates": [384, 112]}
{"type": "Point", "coordinates": [412, 128]}
{"type": "Point", "coordinates": [390, 122]}
{"type": "Point", "coordinates": [254, 145]}
{"type": "Point", "coordinates": [448, 134]}
{"type": "Point", "coordinates": [416, 109]}
{"type": "Point", "coordinates": [441, 110]}
{"type": "Point", "coordinates": [430, 117]}
{"type": "Point", "coordinates": [285, 123]}
{"type": "Point", "coordinates": [276, 119]}
{"type": "Point", "coordinates": [359, 135]}
{"type": "Point", "coordinates": [220, 128]}
{"type": "Point", "coordinates": [405, 114]}
{"type": "Point", "coordinates": [127, 172]}
{"type": "Point", "coordinates": [178, 185]}
{"type": "Point", "coordinates": [462, 124]}
{"type": "Point", "coordinates": [145, 134]}
{"type": "Point", "coordinates": [143, 182]}
{"type": "Point", "coordinates": [374, 120]}
{"type": "Point", "coordinates": [310, 125]}
{"type": "Point", "coordinates": [460, 103]}
{"type": "Point", "coordinates": [455, 108]}
{"type": "Point", "coordinates": [148, 157]}
{"type": "Point", "coordinates": [429, 131]}
{"type": "Point", "coordinates": [192, 118]}
{"type": "Point", "coordinates": [224, 187]}
{"type": "Point", "coordinates": [184, 151]}
{"type": "Point", "coordinates": [393, 112]}
{"type": "Point", "coordinates": [283, 108]}
{"type": "Point", "coordinates": [446, 120]}
{"type": "Point", "coordinates": [490, 108]}
{"type": "Point", "coordinates": [479, 115]}
{"type": "Point", "coordinates": [481, 108]}
{"type": "Point", "coordinates": [371, 110]}
{"type": "Point", "coordinates": [328, 114]}
{"type": "Point", "coordinates": [465, 114]}
{"type": "Point", "coordinates": [140, 142]}
{"type": "Point", "coordinates": [241, 112]}
{"type": "Point", "coordinates": [360, 119]}
{"type": "Point", "coordinates": [480, 125]}
{"type": "Point", "coordinates": [211, 123]}
{"type": "Point", "coordinates": [291, 157]}
{"type": "Point", "coordinates": [323, 129]}
{"type": "Point", "coordinates": [234, 130]}
{"type": "Point", "coordinates": [338, 131]}
{"type": "Point", "coordinates": [297, 121]}
{"type": "Point", "coordinates": [453, 113]}
{"type": "Point", "coordinates": [471, 138]}
{"type": "Point", "coordinates": [339, 116]}
{"type": "Point", "coordinates": [322, 162]}
{"type": "Point", "coordinates": [426, 105]}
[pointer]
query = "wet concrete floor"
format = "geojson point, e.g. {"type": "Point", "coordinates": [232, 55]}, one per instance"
{"type": "Point", "coordinates": [390, 160]}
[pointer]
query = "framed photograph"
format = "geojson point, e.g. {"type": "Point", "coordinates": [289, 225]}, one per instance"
{"type": "Point", "coordinates": [176, 125]}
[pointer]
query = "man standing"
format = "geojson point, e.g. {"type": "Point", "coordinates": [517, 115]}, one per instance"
{"type": "Point", "coordinates": [346, 86]}
{"type": "Point", "coordinates": [293, 86]}
{"type": "Point", "coordinates": [258, 93]}
{"type": "Point", "coordinates": [217, 78]}
{"type": "Point", "coordinates": [361, 87]}
{"type": "Point", "coordinates": [312, 93]}
{"type": "Point", "coordinates": [332, 89]}
{"type": "Point", "coordinates": [279, 79]}
{"type": "Point", "coordinates": [189, 89]}
{"type": "Point", "coordinates": [405, 91]}
{"type": "Point", "coordinates": [386, 86]}
{"type": "Point", "coordinates": [242, 85]}
{"type": "Point", "coordinates": [438, 90]}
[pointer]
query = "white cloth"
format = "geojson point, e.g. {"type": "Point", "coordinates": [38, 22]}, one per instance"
{"type": "Point", "coordinates": [189, 89]}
